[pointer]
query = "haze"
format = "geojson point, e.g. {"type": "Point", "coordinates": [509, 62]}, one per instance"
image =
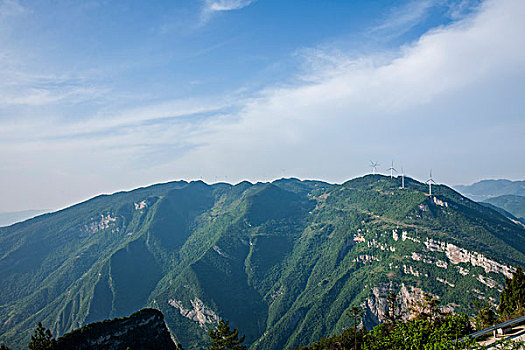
{"type": "Point", "coordinates": [100, 96]}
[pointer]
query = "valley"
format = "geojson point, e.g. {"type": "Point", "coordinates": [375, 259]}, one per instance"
{"type": "Point", "coordinates": [281, 260]}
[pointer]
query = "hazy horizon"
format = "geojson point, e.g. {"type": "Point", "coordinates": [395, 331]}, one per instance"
{"type": "Point", "coordinates": [99, 97]}
{"type": "Point", "coordinates": [51, 210]}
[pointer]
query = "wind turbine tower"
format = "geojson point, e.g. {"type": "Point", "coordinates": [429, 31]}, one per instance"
{"type": "Point", "coordinates": [374, 165]}
{"type": "Point", "coordinates": [430, 181]}
{"type": "Point", "coordinates": [392, 169]}
{"type": "Point", "coordinates": [402, 178]}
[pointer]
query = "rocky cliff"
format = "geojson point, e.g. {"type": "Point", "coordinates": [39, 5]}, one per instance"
{"type": "Point", "coordinates": [144, 329]}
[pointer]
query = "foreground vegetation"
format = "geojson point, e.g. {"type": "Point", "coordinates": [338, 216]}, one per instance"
{"type": "Point", "coordinates": [429, 328]}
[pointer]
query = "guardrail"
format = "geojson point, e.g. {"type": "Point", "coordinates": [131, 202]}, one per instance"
{"type": "Point", "coordinates": [496, 327]}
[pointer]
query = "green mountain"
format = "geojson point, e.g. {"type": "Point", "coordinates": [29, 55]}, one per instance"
{"type": "Point", "coordinates": [282, 261]}
{"type": "Point", "coordinates": [511, 203]}
{"type": "Point", "coordinates": [486, 189]}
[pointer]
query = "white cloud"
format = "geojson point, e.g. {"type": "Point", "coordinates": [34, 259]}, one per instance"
{"type": "Point", "coordinates": [212, 7]}
{"type": "Point", "coordinates": [226, 5]}
{"type": "Point", "coordinates": [429, 101]}
{"type": "Point", "coordinates": [451, 101]}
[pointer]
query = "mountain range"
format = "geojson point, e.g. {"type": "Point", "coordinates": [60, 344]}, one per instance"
{"type": "Point", "coordinates": [282, 261]}
{"type": "Point", "coordinates": [486, 189]}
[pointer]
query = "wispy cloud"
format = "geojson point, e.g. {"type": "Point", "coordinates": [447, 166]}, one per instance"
{"type": "Point", "coordinates": [211, 7]}
{"type": "Point", "coordinates": [401, 19]}
{"type": "Point", "coordinates": [226, 5]}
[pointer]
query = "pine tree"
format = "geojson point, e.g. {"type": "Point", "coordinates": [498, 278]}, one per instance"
{"type": "Point", "coordinates": [512, 298]}
{"type": "Point", "coordinates": [356, 314]}
{"type": "Point", "coordinates": [485, 318]}
{"type": "Point", "coordinates": [42, 339]}
{"type": "Point", "coordinates": [222, 338]}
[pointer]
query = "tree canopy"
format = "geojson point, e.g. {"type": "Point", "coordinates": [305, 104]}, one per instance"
{"type": "Point", "coordinates": [42, 339]}
{"type": "Point", "coordinates": [221, 337]}
{"type": "Point", "coordinates": [512, 298]}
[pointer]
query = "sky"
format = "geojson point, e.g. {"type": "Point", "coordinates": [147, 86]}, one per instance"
{"type": "Point", "coordinates": [102, 96]}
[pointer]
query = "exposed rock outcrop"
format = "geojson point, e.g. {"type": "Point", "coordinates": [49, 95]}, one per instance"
{"type": "Point", "coordinates": [198, 312]}
{"type": "Point", "coordinates": [144, 329]}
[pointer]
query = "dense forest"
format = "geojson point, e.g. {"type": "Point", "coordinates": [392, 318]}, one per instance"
{"type": "Point", "coordinates": [428, 327]}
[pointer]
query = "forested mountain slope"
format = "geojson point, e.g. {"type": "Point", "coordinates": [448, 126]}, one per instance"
{"type": "Point", "coordinates": [511, 203]}
{"type": "Point", "coordinates": [282, 261]}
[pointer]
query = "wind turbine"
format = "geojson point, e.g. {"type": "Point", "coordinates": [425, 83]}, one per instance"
{"type": "Point", "coordinates": [392, 169]}
{"type": "Point", "coordinates": [373, 165]}
{"type": "Point", "coordinates": [430, 181]}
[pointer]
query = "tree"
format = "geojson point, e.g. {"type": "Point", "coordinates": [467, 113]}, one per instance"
{"type": "Point", "coordinates": [356, 314]}
{"type": "Point", "coordinates": [3, 347]}
{"type": "Point", "coordinates": [42, 339]}
{"type": "Point", "coordinates": [485, 317]}
{"type": "Point", "coordinates": [221, 337]}
{"type": "Point", "coordinates": [512, 298]}
{"type": "Point", "coordinates": [426, 308]}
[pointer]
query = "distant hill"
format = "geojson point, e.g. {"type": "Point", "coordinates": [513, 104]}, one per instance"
{"type": "Point", "coordinates": [486, 189]}
{"type": "Point", "coordinates": [511, 203]}
{"type": "Point", "coordinates": [9, 218]}
{"type": "Point", "coordinates": [144, 329]}
{"type": "Point", "coordinates": [505, 213]}
{"type": "Point", "coordinates": [281, 261]}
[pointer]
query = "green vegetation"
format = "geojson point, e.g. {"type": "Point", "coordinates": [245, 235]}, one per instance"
{"type": "Point", "coordinates": [428, 328]}
{"type": "Point", "coordinates": [485, 317]}
{"type": "Point", "coordinates": [42, 339]}
{"type": "Point", "coordinates": [283, 261]}
{"type": "Point", "coordinates": [512, 298]}
{"type": "Point", "coordinates": [222, 338]}
{"type": "Point", "coordinates": [511, 203]}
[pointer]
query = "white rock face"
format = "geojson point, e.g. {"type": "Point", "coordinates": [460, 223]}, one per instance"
{"type": "Point", "coordinates": [198, 312]}
{"type": "Point", "coordinates": [440, 202]}
{"type": "Point", "coordinates": [366, 258]}
{"type": "Point", "coordinates": [489, 282]}
{"type": "Point", "coordinates": [395, 236]}
{"type": "Point", "coordinates": [359, 238]}
{"type": "Point", "coordinates": [458, 255]}
{"type": "Point", "coordinates": [410, 270]}
{"type": "Point", "coordinates": [463, 271]}
{"type": "Point", "coordinates": [104, 222]}
{"type": "Point", "coordinates": [405, 236]}
{"type": "Point", "coordinates": [444, 281]}
{"type": "Point", "coordinates": [140, 205]}
{"type": "Point", "coordinates": [376, 304]}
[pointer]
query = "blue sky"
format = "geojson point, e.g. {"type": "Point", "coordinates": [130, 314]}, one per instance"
{"type": "Point", "coordinates": [100, 96]}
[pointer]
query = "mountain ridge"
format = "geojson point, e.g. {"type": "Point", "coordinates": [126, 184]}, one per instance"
{"type": "Point", "coordinates": [281, 261]}
{"type": "Point", "coordinates": [485, 189]}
